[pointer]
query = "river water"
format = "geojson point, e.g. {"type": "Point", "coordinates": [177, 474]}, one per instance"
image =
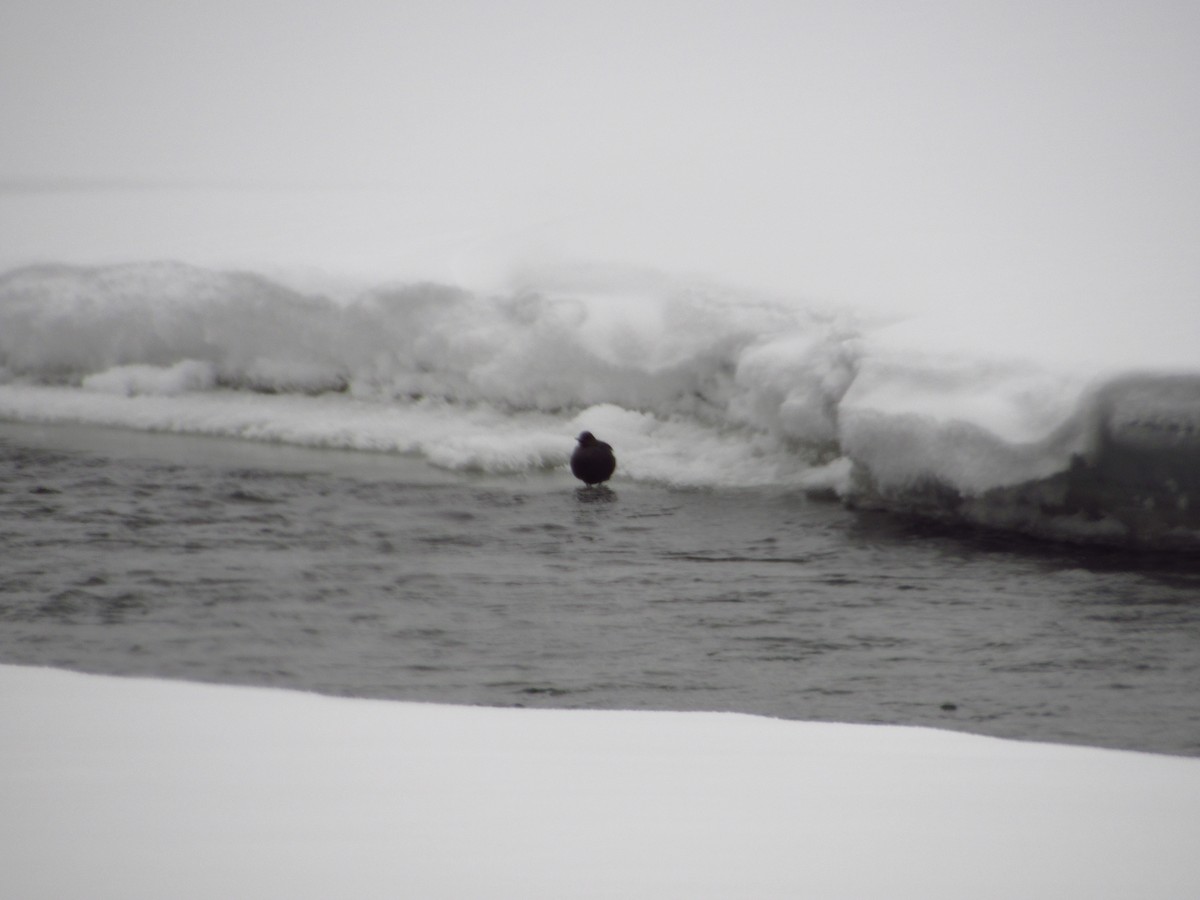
{"type": "Point", "coordinates": [378, 575]}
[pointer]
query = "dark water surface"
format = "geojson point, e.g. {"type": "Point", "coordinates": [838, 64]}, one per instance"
{"type": "Point", "coordinates": [378, 576]}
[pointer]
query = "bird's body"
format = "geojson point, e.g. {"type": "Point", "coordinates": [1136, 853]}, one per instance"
{"type": "Point", "coordinates": [593, 461]}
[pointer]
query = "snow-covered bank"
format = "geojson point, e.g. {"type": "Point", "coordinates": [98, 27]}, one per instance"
{"type": "Point", "coordinates": [134, 788]}
{"type": "Point", "coordinates": [696, 384]}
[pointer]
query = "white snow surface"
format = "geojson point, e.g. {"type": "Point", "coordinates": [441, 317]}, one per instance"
{"type": "Point", "coordinates": [130, 788]}
{"type": "Point", "coordinates": [696, 383]}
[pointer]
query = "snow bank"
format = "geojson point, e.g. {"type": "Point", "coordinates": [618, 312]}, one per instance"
{"type": "Point", "coordinates": [186, 375]}
{"type": "Point", "coordinates": [1070, 453]}
{"type": "Point", "coordinates": [136, 788]}
{"type": "Point", "coordinates": [694, 383]}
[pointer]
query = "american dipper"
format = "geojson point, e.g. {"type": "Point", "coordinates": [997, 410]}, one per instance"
{"type": "Point", "coordinates": [593, 460]}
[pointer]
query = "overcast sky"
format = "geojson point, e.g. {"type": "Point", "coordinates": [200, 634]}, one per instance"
{"type": "Point", "coordinates": [934, 149]}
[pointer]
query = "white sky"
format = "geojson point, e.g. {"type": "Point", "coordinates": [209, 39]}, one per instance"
{"type": "Point", "coordinates": [1014, 152]}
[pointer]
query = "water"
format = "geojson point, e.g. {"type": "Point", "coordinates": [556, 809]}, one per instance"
{"type": "Point", "coordinates": [376, 575]}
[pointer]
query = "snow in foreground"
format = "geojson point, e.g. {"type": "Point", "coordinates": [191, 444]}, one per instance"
{"type": "Point", "coordinates": [135, 788]}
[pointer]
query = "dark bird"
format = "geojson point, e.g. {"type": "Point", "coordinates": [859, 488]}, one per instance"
{"type": "Point", "coordinates": [593, 460]}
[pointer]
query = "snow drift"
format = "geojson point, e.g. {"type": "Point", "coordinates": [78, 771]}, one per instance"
{"type": "Point", "coordinates": [148, 789]}
{"type": "Point", "coordinates": [696, 384]}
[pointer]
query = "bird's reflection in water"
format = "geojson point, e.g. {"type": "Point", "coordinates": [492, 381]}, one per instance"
{"type": "Point", "coordinates": [598, 494]}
